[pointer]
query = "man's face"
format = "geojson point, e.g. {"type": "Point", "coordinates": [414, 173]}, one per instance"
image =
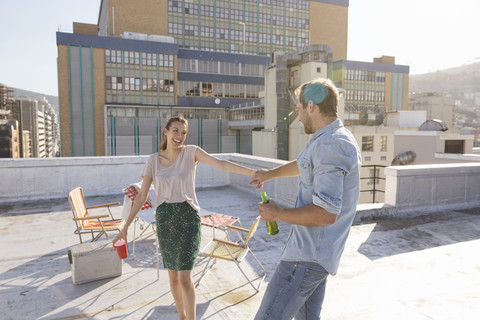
{"type": "Point", "coordinates": [304, 118]}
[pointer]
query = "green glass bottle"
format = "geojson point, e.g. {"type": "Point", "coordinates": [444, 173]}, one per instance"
{"type": "Point", "coordinates": [272, 227]}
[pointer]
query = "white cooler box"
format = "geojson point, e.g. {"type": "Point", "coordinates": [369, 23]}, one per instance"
{"type": "Point", "coordinates": [94, 261]}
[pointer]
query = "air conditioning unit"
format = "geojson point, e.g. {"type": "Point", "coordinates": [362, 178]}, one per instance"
{"type": "Point", "coordinates": [134, 35]}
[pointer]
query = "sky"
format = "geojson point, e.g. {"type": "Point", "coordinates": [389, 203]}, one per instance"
{"type": "Point", "coordinates": [427, 35]}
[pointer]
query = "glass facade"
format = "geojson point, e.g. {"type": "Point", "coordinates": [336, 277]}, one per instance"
{"type": "Point", "coordinates": [249, 113]}
{"type": "Point", "coordinates": [221, 67]}
{"type": "Point", "coordinates": [217, 89]}
{"type": "Point", "coordinates": [259, 27]}
{"type": "Point", "coordinates": [137, 130]}
{"type": "Point", "coordinates": [364, 87]}
{"type": "Point", "coordinates": [134, 77]}
{"type": "Point", "coordinates": [220, 90]}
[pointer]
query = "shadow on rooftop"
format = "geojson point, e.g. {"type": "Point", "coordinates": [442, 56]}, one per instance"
{"type": "Point", "coordinates": [397, 235]}
{"type": "Point", "coordinates": [51, 205]}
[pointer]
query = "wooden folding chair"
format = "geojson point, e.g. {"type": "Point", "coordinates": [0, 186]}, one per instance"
{"type": "Point", "coordinates": [233, 252]}
{"type": "Point", "coordinates": [92, 224]}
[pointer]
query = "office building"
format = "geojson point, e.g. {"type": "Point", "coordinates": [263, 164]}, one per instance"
{"type": "Point", "coordinates": [29, 128]}
{"type": "Point", "coordinates": [371, 89]}
{"type": "Point", "coordinates": [259, 27]}
{"type": "Point", "coordinates": [38, 128]}
{"type": "Point", "coordinates": [144, 61]}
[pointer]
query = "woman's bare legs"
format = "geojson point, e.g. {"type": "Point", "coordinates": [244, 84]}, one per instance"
{"type": "Point", "coordinates": [183, 291]}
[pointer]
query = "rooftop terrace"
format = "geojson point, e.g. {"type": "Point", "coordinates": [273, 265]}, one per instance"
{"type": "Point", "coordinates": [413, 260]}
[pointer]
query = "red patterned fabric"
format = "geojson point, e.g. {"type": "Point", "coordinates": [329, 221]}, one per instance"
{"type": "Point", "coordinates": [220, 221]}
{"type": "Point", "coordinates": [131, 192]}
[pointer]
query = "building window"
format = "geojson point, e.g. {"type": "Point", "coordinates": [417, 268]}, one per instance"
{"type": "Point", "coordinates": [454, 146]}
{"type": "Point", "coordinates": [113, 56]}
{"type": "Point", "coordinates": [383, 158]}
{"type": "Point", "coordinates": [383, 143]}
{"type": "Point", "coordinates": [114, 83]}
{"type": "Point", "coordinates": [367, 143]}
{"type": "Point", "coordinates": [368, 158]}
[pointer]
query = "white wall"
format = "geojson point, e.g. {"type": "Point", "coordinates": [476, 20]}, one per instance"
{"type": "Point", "coordinates": [49, 178]}
{"type": "Point", "coordinates": [417, 188]}
{"type": "Point", "coordinates": [406, 118]}
{"type": "Point", "coordinates": [38, 179]}
{"type": "Point", "coordinates": [264, 143]}
{"type": "Point", "coordinates": [432, 187]}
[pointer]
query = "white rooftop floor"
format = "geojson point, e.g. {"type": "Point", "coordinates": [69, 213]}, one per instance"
{"type": "Point", "coordinates": [422, 267]}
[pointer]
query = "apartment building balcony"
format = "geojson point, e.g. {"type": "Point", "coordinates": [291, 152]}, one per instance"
{"type": "Point", "coordinates": [412, 257]}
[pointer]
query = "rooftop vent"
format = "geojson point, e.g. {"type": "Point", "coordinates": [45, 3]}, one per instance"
{"type": "Point", "coordinates": [404, 158]}
{"type": "Point", "coordinates": [433, 125]}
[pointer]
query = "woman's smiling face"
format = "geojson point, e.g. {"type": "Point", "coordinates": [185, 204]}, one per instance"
{"type": "Point", "coordinates": [176, 135]}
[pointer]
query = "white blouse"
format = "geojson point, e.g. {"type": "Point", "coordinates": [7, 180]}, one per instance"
{"type": "Point", "coordinates": [175, 183]}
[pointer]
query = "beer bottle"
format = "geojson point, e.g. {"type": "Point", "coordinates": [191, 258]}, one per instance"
{"type": "Point", "coordinates": [272, 227]}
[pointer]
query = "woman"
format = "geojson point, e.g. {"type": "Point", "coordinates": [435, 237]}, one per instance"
{"type": "Point", "coordinates": [172, 171]}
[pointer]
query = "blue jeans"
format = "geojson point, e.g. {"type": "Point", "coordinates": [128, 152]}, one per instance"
{"type": "Point", "coordinates": [296, 290]}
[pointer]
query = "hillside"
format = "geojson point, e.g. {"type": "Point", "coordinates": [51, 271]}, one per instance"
{"type": "Point", "coordinates": [455, 81]}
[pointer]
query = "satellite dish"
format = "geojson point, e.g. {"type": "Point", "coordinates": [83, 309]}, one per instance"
{"type": "Point", "coordinates": [217, 101]}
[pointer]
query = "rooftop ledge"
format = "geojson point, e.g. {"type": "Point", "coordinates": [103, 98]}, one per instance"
{"type": "Point", "coordinates": [409, 189]}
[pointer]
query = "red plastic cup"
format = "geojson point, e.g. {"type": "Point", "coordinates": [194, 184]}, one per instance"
{"type": "Point", "coordinates": [122, 249]}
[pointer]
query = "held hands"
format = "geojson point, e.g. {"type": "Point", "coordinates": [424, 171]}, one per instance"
{"type": "Point", "coordinates": [268, 211]}
{"type": "Point", "coordinates": [258, 178]}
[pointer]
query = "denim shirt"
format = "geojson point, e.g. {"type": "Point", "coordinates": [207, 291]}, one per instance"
{"type": "Point", "coordinates": [329, 178]}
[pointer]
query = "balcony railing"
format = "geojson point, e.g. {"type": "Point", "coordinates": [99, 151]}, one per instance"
{"type": "Point", "coordinates": [373, 178]}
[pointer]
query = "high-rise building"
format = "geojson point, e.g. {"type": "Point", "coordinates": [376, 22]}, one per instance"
{"type": "Point", "coordinates": [371, 89]}
{"type": "Point", "coordinates": [28, 118]}
{"type": "Point", "coordinates": [259, 27]}
{"type": "Point", "coordinates": [144, 61]}
{"type": "Point", "coordinates": [38, 128]}
{"type": "Point", "coordinates": [9, 139]}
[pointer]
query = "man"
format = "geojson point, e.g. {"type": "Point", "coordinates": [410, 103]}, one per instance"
{"type": "Point", "coordinates": [326, 204]}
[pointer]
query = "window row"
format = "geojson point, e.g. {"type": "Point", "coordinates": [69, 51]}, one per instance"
{"type": "Point", "coordinates": [364, 85]}
{"type": "Point", "coordinates": [220, 90]}
{"type": "Point", "coordinates": [205, 66]}
{"type": "Point", "coordinates": [279, 19]}
{"type": "Point", "coordinates": [364, 75]}
{"type": "Point", "coordinates": [247, 114]}
{"type": "Point", "coordinates": [367, 96]}
{"type": "Point", "coordinates": [134, 57]}
{"type": "Point", "coordinates": [368, 143]}
{"type": "Point", "coordinates": [164, 113]}
{"type": "Point", "coordinates": [224, 34]}
{"type": "Point", "coordinates": [134, 84]}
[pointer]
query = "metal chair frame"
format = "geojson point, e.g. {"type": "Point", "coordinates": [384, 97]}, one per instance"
{"type": "Point", "coordinates": [236, 253]}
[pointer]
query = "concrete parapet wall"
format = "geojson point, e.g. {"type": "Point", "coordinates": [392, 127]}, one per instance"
{"type": "Point", "coordinates": [428, 188]}
{"type": "Point", "coordinates": [49, 178]}
{"type": "Point", "coordinates": [409, 189]}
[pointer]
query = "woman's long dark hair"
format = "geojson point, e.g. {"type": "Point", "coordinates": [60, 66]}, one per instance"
{"type": "Point", "coordinates": [181, 119]}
